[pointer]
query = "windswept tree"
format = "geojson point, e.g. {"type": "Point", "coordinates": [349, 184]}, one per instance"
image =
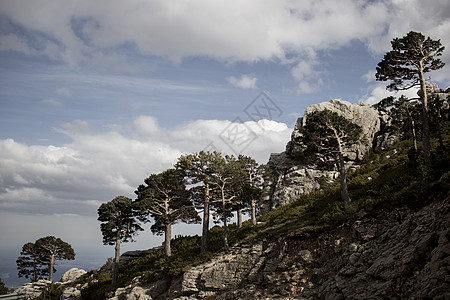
{"type": "Point", "coordinates": [32, 262]}
{"type": "Point", "coordinates": [405, 66]}
{"type": "Point", "coordinates": [118, 226]}
{"type": "Point", "coordinates": [55, 249]}
{"type": "Point", "coordinates": [326, 133]}
{"type": "Point", "coordinates": [197, 172]}
{"type": "Point", "coordinates": [165, 199]}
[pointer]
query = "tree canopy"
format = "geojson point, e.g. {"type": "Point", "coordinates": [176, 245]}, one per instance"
{"type": "Point", "coordinates": [197, 171]}
{"type": "Point", "coordinates": [118, 225]}
{"type": "Point", "coordinates": [165, 199]}
{"type": "Point", "coordinates": [38, 259]}
{"type": "Point", "coordinates": [56, 249]}
{"type": "Point", "coordinates": [405, 65]}
{"type": "Point", "coordinates": [32, 262]}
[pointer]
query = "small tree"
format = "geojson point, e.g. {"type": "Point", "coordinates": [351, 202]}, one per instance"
{"type": "Point", "coordinates": [327, 133]}
{"type": "Point", "coordinates": [166, 200]}
{"type": "Point", "coordinates": [32, 262]}
{"type": "Point", "coordinates": [56, 249]}
{"type": "Point", "coordinates": [405, 65]}
{"type": "Point", "coordinates": [118, 225]}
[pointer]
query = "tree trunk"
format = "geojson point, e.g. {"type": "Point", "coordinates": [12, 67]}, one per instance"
{"type": "Point", "coordinates": [239, 216]}
{"type": "Point", "coordinates": [52, 261]}
{"type": "Point", "coordinates": [168, 237]}
{"type": "Point", "coordinates": [341, 167]}
{"type": "Point", "coordinates": [425, 118]}
{"type": "Point", "coordinates": [35, 270]}
{"type": "Point", "coordinates": [226, 248]}
{"type": "Point", "coordinates": [344, 188]}
{"type": "Point", "coordinates": [253, 211]}
{"type": "Point", "coordinates": [205, 229]}
{"type": "Point", "coordinates": [414, 134]}
{"type": "Point", "coordinates": [253, 204]}
{"type": "Point", "coordinates": [115, 265]}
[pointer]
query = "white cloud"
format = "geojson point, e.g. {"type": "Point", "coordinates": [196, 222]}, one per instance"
{"type": "Point", "coordinates": [96, 167]}
{"type": "Point", "coordinates": [243, 82]}
{"type": "Point", "coordinates": [249, 31]}
{"type": "Point", "coordinates": [369, 76]}
{"type": "Point", "coordinates": [378, 92]}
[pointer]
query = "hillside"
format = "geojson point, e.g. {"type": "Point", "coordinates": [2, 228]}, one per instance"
{"type": "Point", "coordinates": [392, 242]}
{"type": "Point", "coordinates": [392, 246]}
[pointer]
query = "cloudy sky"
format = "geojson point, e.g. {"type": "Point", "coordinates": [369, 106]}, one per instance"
{"type": "Point", "coordinates": [97, 95]}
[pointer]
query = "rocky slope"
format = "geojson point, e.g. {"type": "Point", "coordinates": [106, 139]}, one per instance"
{"type": "Point", "coordinates": [391, 254]}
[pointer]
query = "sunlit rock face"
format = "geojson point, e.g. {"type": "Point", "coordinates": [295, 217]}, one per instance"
{"type": "Point", "coordinates": [294, 176]}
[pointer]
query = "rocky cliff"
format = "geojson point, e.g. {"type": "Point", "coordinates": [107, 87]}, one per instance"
{"type": "Point", "coordinates": [390, 254]}
{"type": "Point", "coordinates": [294, 176]}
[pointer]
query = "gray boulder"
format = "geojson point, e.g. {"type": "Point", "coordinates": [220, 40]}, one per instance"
{"type": "Point", "coordinates": [71, 275]}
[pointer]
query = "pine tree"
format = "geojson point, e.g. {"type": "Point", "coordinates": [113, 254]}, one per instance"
{"type": "Point", "coordinates": [118, 226]}
{"type": "Point", "coordinates": [32, 262]}
{"type": "Point", "coordinates": [326, 133]}
{"type": "Point", "coordinates": [251, 190]}
{"type": "Point", "coordinates": [405, 65]}
{"type": "Point", "coordinates": [56, 249]}
{"type": "Point", "coordinates": [165, 199]}
{"type": "Point", "coordinates": [197, 172]}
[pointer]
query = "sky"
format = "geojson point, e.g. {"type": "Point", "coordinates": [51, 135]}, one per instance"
{"type": "Point", "coordinates": [97, 95]}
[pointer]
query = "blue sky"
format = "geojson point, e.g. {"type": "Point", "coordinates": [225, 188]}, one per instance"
{"type": "Point", "coordinates": [97, 95]}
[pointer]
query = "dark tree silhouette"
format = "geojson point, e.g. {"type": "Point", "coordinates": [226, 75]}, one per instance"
{"type": "Point", "coordinates": [32, 262]}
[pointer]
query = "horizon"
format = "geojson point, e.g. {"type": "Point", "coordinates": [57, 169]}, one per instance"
{"type": "Point", "coordinates": [97, 97]}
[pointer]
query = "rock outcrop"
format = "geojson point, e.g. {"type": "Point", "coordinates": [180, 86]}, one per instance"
{"type": "Point", "coordinates": [294, 176]}
{"type": "Point", "coordinates": [35, 289]}
{"type": "Point", "coordinates": [72, 275]}
{"type": "Point", "coordinates": [392, 254]}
